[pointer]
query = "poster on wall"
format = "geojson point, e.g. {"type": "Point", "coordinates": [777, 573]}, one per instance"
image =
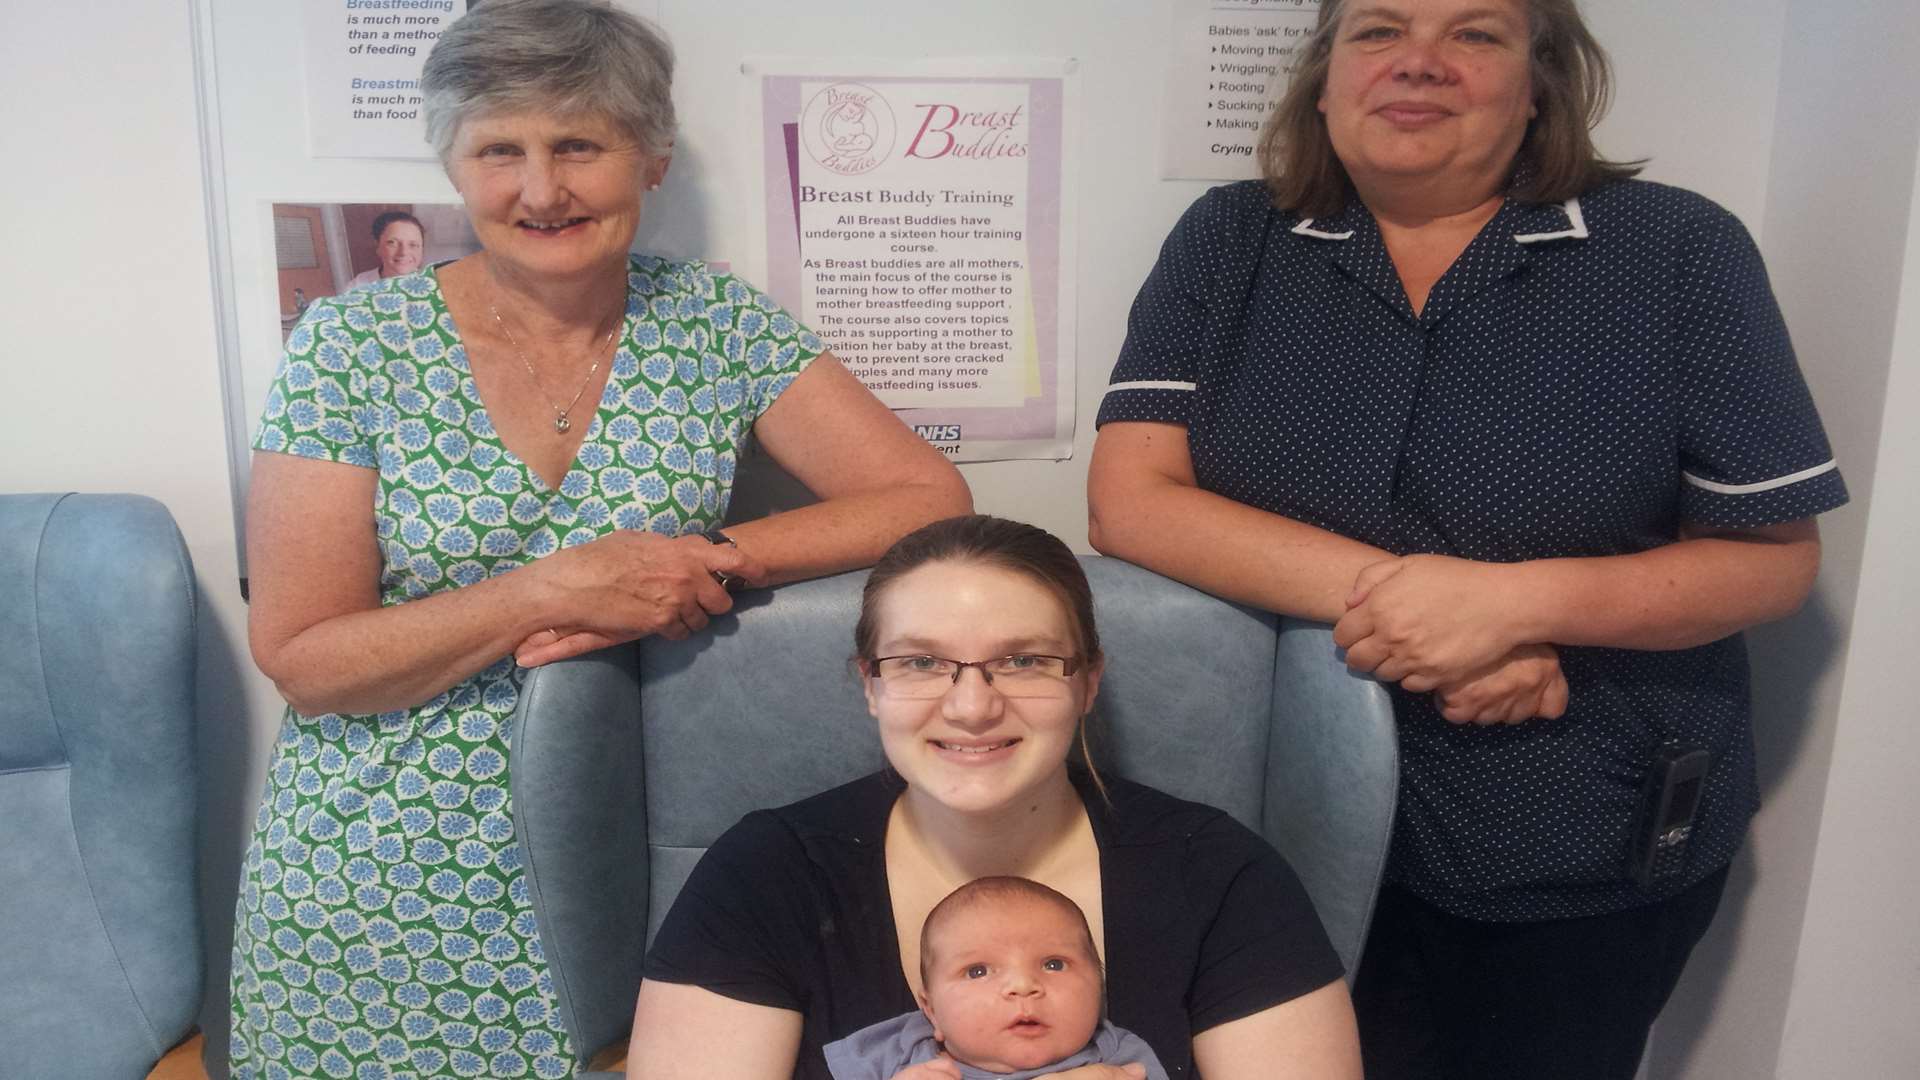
{"type": "Point", "coordinates": [363, 72]}
{"type": "Point", "coordinates": [1227, 62]}
{"type": "Point", "coordinates": [920, 217]}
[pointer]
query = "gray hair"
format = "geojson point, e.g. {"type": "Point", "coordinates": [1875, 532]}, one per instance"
{"type": "Point", "coordinates": [560, 56]}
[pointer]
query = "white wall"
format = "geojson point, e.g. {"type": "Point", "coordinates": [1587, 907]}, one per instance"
{"type": "Point", "coordinates": [112, 382]}
{"type": "Point", "coordinates": [1856, 990]}
{"type": "Point", "coordinates": [1840, 181]}
{"type": "Point", "coordinates": [109, 369]}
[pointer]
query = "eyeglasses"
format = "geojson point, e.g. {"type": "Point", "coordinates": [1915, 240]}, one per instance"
{"type": "Point", "coordinates": [1021, 675]}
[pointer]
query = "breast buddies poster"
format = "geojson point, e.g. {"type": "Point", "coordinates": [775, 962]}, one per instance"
{"type": "Point", "coordinates": [920, 217]}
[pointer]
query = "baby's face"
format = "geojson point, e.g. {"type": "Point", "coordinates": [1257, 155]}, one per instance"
{"type": "Point", "coordinates": [1012, 984]}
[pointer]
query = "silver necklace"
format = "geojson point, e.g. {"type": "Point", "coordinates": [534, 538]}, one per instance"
{"type": "Point", "coordinates": [560, 421]}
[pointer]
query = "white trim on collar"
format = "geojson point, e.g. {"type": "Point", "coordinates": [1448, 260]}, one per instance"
{"type": "Point", "coordinates": [1764, 485]}
{"type": "Point", "coordinates": [1575, 219]}
{"type": "Point", "coordinates": [1305, 228]}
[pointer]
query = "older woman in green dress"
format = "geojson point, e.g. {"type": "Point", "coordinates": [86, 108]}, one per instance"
{"type": "Point", "coordinates": [551, 406]}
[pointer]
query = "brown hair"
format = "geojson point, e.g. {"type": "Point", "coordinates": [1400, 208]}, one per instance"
{"type": "Point", "coordinates": [381, 222]}
{"type": "Point", "coordinates": [991, 541]}
{"type": "Point", "coordinates": [1001, 888]}
{"type": "Point", "coordinates": [1572, 87]}
{"type": "Point", "coordinates": [988, 541]}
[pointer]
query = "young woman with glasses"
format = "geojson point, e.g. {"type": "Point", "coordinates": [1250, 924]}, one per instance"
{"type": "Point", "coordinates": [981, 661]}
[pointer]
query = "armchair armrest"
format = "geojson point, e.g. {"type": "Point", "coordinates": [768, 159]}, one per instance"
{"type": "Point", "coordinates": [1333, 771]}
{"type": "Point", "coordinates": [577, 796]}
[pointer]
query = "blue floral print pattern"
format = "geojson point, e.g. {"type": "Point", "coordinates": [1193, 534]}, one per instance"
{"type": "Point", "coordinates": [384, 929]}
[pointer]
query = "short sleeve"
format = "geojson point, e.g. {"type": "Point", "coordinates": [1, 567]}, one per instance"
{"type": "Point", "coordinates": [1752, 451]}
{"type": "Point", "coordinates": [1263, 944]}
{"type": "Point", "coordinates": [317, 407]}
{"type": "Point", "coordinates": [1157, 372]}
{"type": "Point", "coordinates": [765, 348]}
{"type": "Point", "coordinates": [735, 928]}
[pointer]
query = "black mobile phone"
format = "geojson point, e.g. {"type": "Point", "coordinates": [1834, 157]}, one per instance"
{"type": "Point", "coordinates": [1672, 795]}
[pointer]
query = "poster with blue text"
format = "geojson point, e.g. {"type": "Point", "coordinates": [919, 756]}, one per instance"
{"type": "Point", "coordinates": [363, 74]}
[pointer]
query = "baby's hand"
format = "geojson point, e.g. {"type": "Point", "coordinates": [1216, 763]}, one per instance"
{"type": "Point", "coordinates": [1130, 1071]}
{"type": "Point", "coordinates": [940, 1068]}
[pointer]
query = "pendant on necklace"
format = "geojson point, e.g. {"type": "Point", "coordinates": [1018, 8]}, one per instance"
{"type": "Point", "coordinates": [561, 423]}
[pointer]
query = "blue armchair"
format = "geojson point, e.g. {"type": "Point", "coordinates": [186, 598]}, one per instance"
{"type": "Point", "coordinates": [100, 947]}
{"type": "Point", "coordinates": [628, 763]}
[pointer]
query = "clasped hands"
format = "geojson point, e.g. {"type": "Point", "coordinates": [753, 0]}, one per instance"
{"type": "Point", "coordinates": [629, 585]}
{"type": "Point", "coordinates": [1449, 627]}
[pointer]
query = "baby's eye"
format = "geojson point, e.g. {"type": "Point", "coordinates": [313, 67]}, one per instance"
{"type": "Point", "coordinates": [976, 971]}
{"type": "Point", "coordinates": [1054, 963]}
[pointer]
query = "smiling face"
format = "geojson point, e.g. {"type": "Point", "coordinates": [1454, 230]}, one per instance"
{"type": "Point", "coordinates": [555, 197]}
{"type": "Point", "coordinates": [973, 750]}
{"type": "Point", "coordinates": [1012, 983]}
{"type": "Point", "coordinates": [400, 248]}
{"type": "Point", "coordinates": [1429, 89]}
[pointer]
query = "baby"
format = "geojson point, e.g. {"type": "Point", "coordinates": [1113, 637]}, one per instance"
{"type": "Point", "coordinates": [1012, 990]}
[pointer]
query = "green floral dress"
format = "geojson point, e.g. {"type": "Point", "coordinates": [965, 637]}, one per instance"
{"type": "Point", "coordinates": [384, 929]}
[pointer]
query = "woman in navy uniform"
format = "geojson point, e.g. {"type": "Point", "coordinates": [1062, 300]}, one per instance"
{"type": "Point", "coordinates": [1532, 433]}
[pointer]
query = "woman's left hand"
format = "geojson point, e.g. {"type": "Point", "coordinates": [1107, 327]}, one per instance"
{"type": "Point", "coordinates": [1526, 684]}
{"type": "Point", "coordinates": [1426, 620]}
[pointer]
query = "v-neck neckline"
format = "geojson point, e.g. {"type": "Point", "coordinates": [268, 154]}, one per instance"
{"type": "Point", "coordinates": [1484, 260]}
{"type": "Point", "coordinates": [595, 426]}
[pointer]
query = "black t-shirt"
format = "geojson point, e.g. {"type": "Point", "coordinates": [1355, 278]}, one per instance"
{"type": "Point", "coordinates": [1205, 922]}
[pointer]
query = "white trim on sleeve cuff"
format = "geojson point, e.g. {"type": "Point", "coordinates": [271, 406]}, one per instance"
{"type": "Point", "coordinates": [1764, 485]}
{"type": "Point", "coordinates": [1151, 384]}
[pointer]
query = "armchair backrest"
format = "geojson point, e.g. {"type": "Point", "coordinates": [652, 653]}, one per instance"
{"type": "Point", "coordinates": [660, 749]}
{"type": "Point", "coordinates": [100, 946]}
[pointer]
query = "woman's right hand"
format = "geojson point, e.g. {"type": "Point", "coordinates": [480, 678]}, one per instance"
{"type": "Point", "coordinates": [630, 585]}
{"type": "Point", "coordinates": [1525, 684]}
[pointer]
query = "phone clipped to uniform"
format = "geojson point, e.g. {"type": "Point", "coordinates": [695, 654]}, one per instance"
{"type": "Point", "coordinates": [1672, 795]}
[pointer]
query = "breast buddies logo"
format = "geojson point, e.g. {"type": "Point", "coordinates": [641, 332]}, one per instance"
{"type": "Point", "coordinates": [848, 128]}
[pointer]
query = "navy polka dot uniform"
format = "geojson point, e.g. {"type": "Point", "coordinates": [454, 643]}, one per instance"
{"type": "Point", "coordinates": [1584, 380]}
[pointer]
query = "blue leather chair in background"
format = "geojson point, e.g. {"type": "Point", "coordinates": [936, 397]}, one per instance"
{"type": "Point", "coordinates": [100, 945]}
{"type": "Point", "coordinates": [628, 763]}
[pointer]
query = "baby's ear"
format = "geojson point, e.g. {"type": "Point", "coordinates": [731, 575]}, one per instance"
{"type": "Point", "coordinates": [926, 1009]}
